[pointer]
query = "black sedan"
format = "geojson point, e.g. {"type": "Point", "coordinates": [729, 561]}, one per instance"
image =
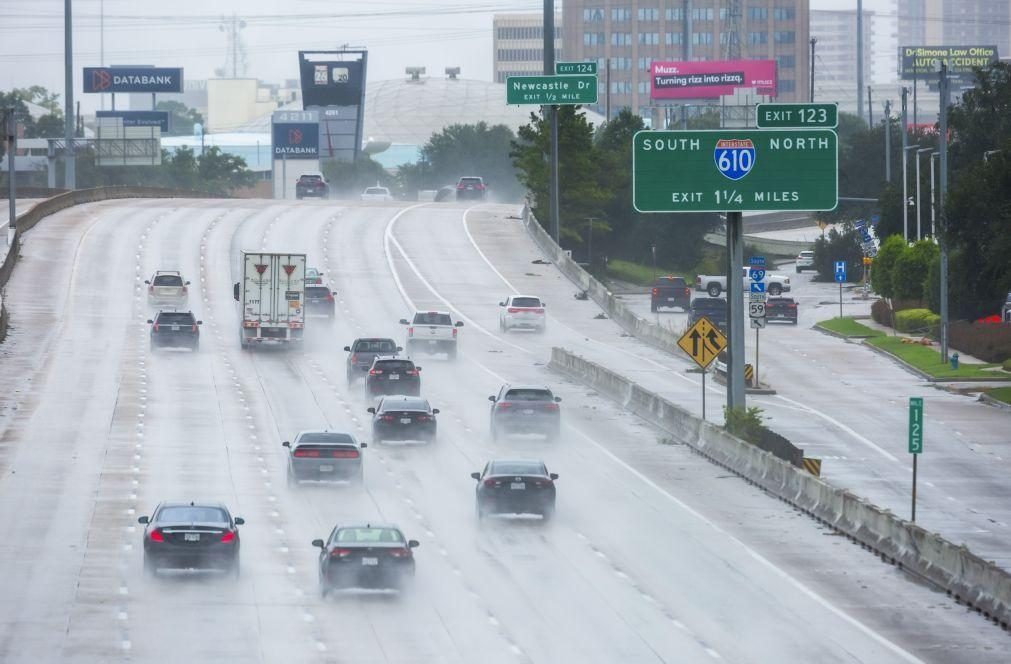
{"type": "Point", "coordinates": [525, 409]}
{"type": "Point", "coordinates": [365, 555]}
{"type": "Point", "coordinates": [175, 329]}
{"type": "Point", "coordinates": [515, 486]}
{"type": "Point", "coordinates": [392, 375]}
{"type": "Point", "coordinates": [404, 418]}
{"type": "Point", "coordinates": [191, 536]}
{"type": "Point", "coordinates": [325, 456]}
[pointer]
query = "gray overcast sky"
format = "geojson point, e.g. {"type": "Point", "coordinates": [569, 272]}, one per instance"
{"type": "Point", "coordinates": [397, 33]}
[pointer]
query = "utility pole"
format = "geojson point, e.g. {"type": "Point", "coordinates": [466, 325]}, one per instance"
{"type": "Point", "coordinates": [860, 56]}
{"type": "Point", "coordinates": [551, 115]}
{"type": "Point", "coordinates": [589, 240]}
{"type": "Point", "coordinates": [69, 159]}
{"type": "Point", "coordinates": [870, 108]}
{"type": "Point", "coordinates": [918, 152]}
{"type": "Point", "coordinates": [888, 141]}
{"type": "Point", "coordinates": [607, 90]}
{"type": "Point", "coordinates": [906, 199]}
{"type": "Point", "coordinates": [12, 146]}
{"type": "Point", "coordinates": [905, 142]}
{"type": "Point", "coordinates": [814, 40]}
{"type": "Point", "coordinates": [943, 241]}
{"type": "Point", "coordinates": [933, 214]}
{"type": "Point", "coordinates": [735, 312]}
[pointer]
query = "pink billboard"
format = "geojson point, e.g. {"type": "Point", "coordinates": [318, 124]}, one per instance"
{"type": "Point", "coordinates": [704, 80]}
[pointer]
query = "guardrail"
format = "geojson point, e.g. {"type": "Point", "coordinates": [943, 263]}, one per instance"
{"type": "Point", "coordinates": [965, 576]}
{"type": "Point", "coordinates": [62, 201]}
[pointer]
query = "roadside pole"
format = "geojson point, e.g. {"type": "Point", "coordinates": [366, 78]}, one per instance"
{"type": "Point", "coordinates": [905, 144]}
{"type": "Point", "coordinates": [735, 312]}
{"type": "Point", "coordinates": [840, 277]}
{"type": "Point", "coordinates": [943, 176]}
{"type": "Point", "coordinates": [915, 440]}
{"type": "Point", "coordinates": [12, 146]}
{"type": "Point", "coordinates": [757, 330]}
{"type": "Point", "coordinates": [704, 372]}
{"type": "Point", "coordinates": [551, 115]}
{"type": "Point", "coordinates": [284, 176]}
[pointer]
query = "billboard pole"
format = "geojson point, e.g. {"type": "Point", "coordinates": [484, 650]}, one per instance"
{"type": "Point", "coordinates": [905, 144]}
{"type": "Point", "coordinates": [888, 141]}
{"type": "Point", "coordinates": [70, 175]}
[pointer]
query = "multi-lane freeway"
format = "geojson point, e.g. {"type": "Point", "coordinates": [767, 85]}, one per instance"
{"type": "Point", "coordinates": [654, 555]}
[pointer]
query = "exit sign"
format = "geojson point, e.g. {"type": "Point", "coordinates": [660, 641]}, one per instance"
{"type": "Point", "coordinates": [564, 68]}
{"type": "Point", "coordinates": [795, 116]}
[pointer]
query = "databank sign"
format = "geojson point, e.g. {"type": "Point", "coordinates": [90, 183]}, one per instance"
{"type": "Point", "coordinates": [295, 134]}
{"type": "Point", "coordinates": [133, 79]}
{"type": "Point", "coordinates": [731, 170]}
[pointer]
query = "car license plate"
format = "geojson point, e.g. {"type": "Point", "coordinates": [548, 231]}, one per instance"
{"type": "Point", "coordinates": [528, 411]}
{"type": "Point", "coordinates": [370, 561]}
{"type": "Point", "coordinates": [518, 486]}
{"type": "Point", "coordinates": [326, 469]}
{"type": "Point", "coordinates": [405, 420]}
{"type": "Point", "coordinates": [175, 328]}
{"type": "Point", "coordinates": [394, 376]}
{"type": "Point", "coordinates": [191, 537]}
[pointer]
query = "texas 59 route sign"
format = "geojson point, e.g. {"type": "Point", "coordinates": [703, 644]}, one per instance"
{"type": "Point", "coordinates": [735, 170]}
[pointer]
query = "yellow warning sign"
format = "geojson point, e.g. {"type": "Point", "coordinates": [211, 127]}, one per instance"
{"type": "Point", "coordinates": [812, 466]}
{"type": "Point", "coordinates": [703, 341]}
{"type": "Point", "coordinates": [749, 373]}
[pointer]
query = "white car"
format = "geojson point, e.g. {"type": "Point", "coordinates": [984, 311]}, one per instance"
{"type": "Point", "coordinates": [377, 194]}
{"type": "Point", "coordinates": [805, 261]}
{"type": "Point", "coordinates": [432, 332]}
{"type": "Point", "coordinates": [522, 311]}
{"type": "Point", "coordinates": [167, 287]}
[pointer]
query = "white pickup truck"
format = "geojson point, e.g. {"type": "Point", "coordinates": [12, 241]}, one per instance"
{"type": "Point", "coordinates": [775, 284]}
{"type": "Point", "coordinates": [272, 296]}
{"type": "Point", "coordinates": [432, 331]}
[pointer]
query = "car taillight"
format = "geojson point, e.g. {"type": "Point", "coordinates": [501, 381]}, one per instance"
{"type": "Point", "coordinates": [492, 482]}
{"type": "Point", "coordinates": [194, 327]}
{"type": "Point", "coordinates": [791, 306]}
{"type": "Point", "coordinates": [386, 418]}
{"type": "Point", "coordinates": [502, 405]}
{"type": "Point", "coordinates": [400, 553]}
{"type": "Point", "coordinates": [542, 483]}
{"type": "Point", "coordinates": [155, 327]}
{"type": "Point", "coordinates": [354, 358]}
{"type": "Point", "coordinates": [307, 453]}
{"type": "Point", "coordinates": [513, 310]}
{"type": "Point", "coordinates": [340, 553]}
{"type": "Point", "coordinates": [688, 291]}
{"type": "Point", "coordinates": [375, 372]}
{"type": "Point", "coordinates": [184, 289]}
{"type": "Point", "coordinates": [227, 537]}
{"type": "Point", "coordinates": [479, 186]}
{"type": "Point", "coordinates": [422, 418]}
{"type": "Point", "coordinates": [156, 536]}
{"type": "Point", "coordinates": [410, 331]}
{"type": "Point", "coordinates": [538, 311]}
{"type": "Point", "coordinates": [454, 333]}
{"type": "Point", "coordinates": [344, 454]}
{"type": "Point", "coordinates": [150, 289]}
{"type": "Point", "coordinates": [459, 186]}
{"type": "Point", "coordinates": [655, 291]}
{"type": "Point", "coordinates": [329, 298]}
{"type": "Point", "coordinates": [550, 406]}
{"type": "Point", "coordinates": [412, 372]}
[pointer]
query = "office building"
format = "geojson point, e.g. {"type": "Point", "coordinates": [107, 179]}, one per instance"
{"type": "Point", "coordinates": [955, 23]}
{"type": "Point", "coordinates": [835, 61]}
{"type": "Point", "coordinates": [518, 44]}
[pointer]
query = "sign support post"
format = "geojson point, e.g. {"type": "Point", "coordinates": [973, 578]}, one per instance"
{"type": "Point", "coordinates": [703, 342]}
{"type": "Point", "coordinates": [704, 372]}
{"type": "Point", "coordinates": [840, 277]}
{"type": "Point", "coordinates": [756, 356]}
{"type": "Point", "coordinates": [735, 313]}
{"type": "Point", "coordinates": [915, 440]}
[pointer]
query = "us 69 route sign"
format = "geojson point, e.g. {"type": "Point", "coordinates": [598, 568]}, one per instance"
{"type": "Point", "coordinates": [735, 170]}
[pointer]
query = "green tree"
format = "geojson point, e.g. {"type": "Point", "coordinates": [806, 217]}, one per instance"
{"type": "Point", "coordinates": [579, 170]}
{"type": "Point", "coordinates": [181, 117]}
{"type": "Point", "coordinates": [892, 247]}
{"type": "Point", "coordinates": [909, 273]}
{"type": "Point", "coordinates": [222, 173]}
{"type": "Point", "coordinates": [838, 246]}
{"type": "Point", "coordinates": [40, 96]}
{"type": "Point", "coordinates": [473, 149]}
{"type": "Point", "coordinates": [349, 178]}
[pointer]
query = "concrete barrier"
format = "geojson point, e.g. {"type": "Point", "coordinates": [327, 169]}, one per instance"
{"type": "Point", "coordinates": [965, 576]}
{"type": "Point", "coordinates": [765, 245]}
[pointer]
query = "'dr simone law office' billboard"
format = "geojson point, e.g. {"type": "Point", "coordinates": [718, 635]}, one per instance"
{"type": "Point", "coordinates": [706, 80]}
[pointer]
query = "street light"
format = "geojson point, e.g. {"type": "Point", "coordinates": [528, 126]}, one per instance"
{"type": "Point", "coordinates": [918, 152]}
{"type": "Point", "coordinates": [905, 190]}
{"type": "Point", "coordinates": [933, 215]}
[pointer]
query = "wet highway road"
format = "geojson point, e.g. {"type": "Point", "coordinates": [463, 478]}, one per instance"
{"type": "Point", "coordinates": [654, 554]}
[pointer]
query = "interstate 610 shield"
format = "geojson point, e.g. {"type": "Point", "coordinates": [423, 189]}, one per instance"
{"type": "Point", "coordinates": [735, 170]}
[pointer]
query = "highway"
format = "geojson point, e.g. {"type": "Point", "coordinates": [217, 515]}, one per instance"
{"type": "Point", "coordinates": [654, 555]}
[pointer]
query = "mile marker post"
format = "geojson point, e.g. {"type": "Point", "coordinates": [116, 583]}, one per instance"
{"type": "Point", "coordinates": [915, 439]}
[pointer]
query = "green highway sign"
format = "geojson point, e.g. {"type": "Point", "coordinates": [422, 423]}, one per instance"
{"type": "Point", "coordinates": [915, 425]}
{"type": "Point", "coordinates": [797, 116]}
{"type": "Point", "coordinates": [735, 170]}
{"type": "Point", "coordinates": [551, 90]}
{"type": "Point", "coordinates": [564, 68]}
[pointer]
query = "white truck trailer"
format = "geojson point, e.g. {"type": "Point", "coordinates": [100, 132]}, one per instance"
{"type": "Point", "coordinates": [271, 293]}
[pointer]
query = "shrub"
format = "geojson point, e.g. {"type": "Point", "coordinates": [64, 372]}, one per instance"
{"type": "Point", "coordinates": [923, 321]}
{"type": "Point", "coordinates": [881, 271]}
{"type": "Point", "coordinates": [909, 273]}
{"type": "Point", "coordinates": [745, 423]}
{"type": "Point", "coordinates": [838, 247]}
{"type": "Point", "coordinates": [1007, 365]}
{"type": "Point", "coordinates": [986, 341]}
{"type": "Point", "coordinates": [881, 312]}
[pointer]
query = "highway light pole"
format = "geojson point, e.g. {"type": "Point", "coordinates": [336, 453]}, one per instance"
{"type": "Point", "coordinates": [69, 163]}
{"type": "Point", "coordinates": [12, 146]}
{"type": "Point", "coordinates": [905, 141]}
{"type": "Point", "coordinates": [933, 214]}
{"type": "Point", "coordinates": [918, 152]}
{"type": "Point", "coordinates": [551, 115]}
{"type": "Point", "coordinates": [943, 242]}
{"type": "Point", "coordinates": [906, 199]}
{"type": "Point", "coordinates": [888, 141]}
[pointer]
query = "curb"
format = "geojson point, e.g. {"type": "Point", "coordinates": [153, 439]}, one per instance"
{"type": "Point", "coordinates": [987, 399]}
{"type": "Point", "coordinates": [925, 376]}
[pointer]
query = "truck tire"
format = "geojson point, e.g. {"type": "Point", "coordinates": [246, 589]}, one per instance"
{"type": "Point", "coordinates": [714, 290]}
{"type": "Point", "coordinates": [775, 289]}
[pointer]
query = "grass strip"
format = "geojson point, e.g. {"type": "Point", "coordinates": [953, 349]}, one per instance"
{"type": "Point", "coordinates": [928, 360]}
{"type": "Point", "coordinates": [847, 327]}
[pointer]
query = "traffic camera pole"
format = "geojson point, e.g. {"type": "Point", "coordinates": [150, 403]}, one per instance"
{"type": "Point", "coordinates": [735, 311]}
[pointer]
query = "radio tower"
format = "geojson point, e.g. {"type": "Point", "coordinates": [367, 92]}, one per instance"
{"type": "Point", "coordinates": [236, 58]}
{"type": "Point", "coordinates": [732, 28]}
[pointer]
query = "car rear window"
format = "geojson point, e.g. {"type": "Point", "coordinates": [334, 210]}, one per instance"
{"type": "Point", "coordinates": [528, 395]}
{"type": "Point", "coordinates": [375, 346]}
{"type": "Point", "coordinates": [404, 404]}
{"type": "Point", "coordinates": [317, 291]}
{"type": "Point", "coordinates": [807, 254]}
{"type": "Point", "coordinates": [192, 514]}
{"type": "Point", "coordinates": [470, 180]}
{"type": "Point", "coordinates": [395, 365]}
{"type": "Point", "coordinates": [310, 178]}
{"type": "Point", "coordinates": [377, 190]}
{"type": "Point", "coordinates": [526, 302]}
{"type": "Point", "coordinates": [168, 280]}
{"type": "Point", "coordinates": [516, 468]}
{"type": "Point", "coordinates": [780, 300]}
{"type": "Point", "coordinates": [431, 318]}
{"type": "Point", "coordinates": [670, 281]}
{"type": "Point", "coordinates": [708, 303]}
{"type": "Point", "coordinates": [326, 437]}
{"type": "Point", "coordinates": [175, 319]}
{"type": "Point", "coordinates": [369, 535]}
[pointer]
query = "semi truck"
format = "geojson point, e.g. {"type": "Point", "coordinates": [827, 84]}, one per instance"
{"type": "Point", "coordinates": [271, 293]}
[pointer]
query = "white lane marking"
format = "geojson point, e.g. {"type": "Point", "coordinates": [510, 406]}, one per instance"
{"type": "Point", "coordinates": [805, 590]}
{"type": "Point", "coordinates": [828, 418]}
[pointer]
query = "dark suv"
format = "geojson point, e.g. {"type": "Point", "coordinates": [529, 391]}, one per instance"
{"type": "Point", "coordinates": [311, 184]}
{"type": "Point", "coordinates": [404, 418]}
{"type": "Point", "coordinates": [525, 409]}
{"type": "Point", "coordinates": [319, 301]}
{"type": "Point", "coordinates": [670, 292]}
{"type": "Point", "coordinates": [713, 308]}
{"type": "Point", "coordinates": [781, 308]}
{"type": "Point", "coordinates": [363, 351]}
{"type": "Point", "coordinates": [393, 375]}
{"type": "Point", "coordinates": [175, 329]}
{"type": "Point", "coordinates": [471, 187]}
